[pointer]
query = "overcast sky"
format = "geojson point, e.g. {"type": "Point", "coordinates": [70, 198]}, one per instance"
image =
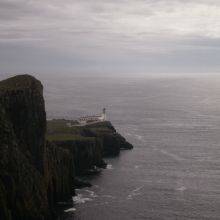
{"type": "Point", "coordinates": [106, 36]}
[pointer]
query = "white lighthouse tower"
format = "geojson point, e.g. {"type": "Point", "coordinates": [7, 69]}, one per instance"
{"type": "Point", "coordinates": [103, 117]}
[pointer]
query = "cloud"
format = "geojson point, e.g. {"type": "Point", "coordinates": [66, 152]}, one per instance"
{"type": "Point", "coordinates": [106, 32]}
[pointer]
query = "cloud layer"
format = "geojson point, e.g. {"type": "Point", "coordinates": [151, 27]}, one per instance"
{"type": "Point", "coordinates": [106, 35]}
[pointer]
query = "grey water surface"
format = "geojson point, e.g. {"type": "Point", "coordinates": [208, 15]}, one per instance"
{"type": "Point", "coordinates": [173, 123]}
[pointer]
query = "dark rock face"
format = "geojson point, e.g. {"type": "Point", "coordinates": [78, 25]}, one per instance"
{"type": "Point", "coordinates": [111, 140]}
{"type": "Point", "coordinates": [59, 174]}
{"type": "Point", "coordinates": [79, 183]}
{"type": "Point", "coordinates": [22, 97]}
{"type": "Point", "coordinates": [33, 175]}
{"type": "Point", "coordinates": [23, 193]}
{"type": "Point", "coordinates": [86, 152]}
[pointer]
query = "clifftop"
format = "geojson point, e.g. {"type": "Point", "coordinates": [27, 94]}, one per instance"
{"type": "Point", "coordinates": [20, 82]}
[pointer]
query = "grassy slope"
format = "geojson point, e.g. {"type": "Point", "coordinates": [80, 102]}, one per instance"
{"type": "Point", "coordinates": [57, 130]}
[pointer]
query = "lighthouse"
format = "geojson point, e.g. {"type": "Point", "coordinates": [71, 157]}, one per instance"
{"type": "Point", "coordinates": [93, 118]}
{"type": "Point", "coordinates": [103, 114]}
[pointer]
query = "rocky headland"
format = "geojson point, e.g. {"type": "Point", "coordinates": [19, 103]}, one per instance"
{"type": "Point", "coordinates": [41, 161]}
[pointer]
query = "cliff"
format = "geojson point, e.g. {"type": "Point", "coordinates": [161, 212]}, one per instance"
{"type": "Point", "coordinates": [22, 98]}
{"type": "Point", "coordinates": [39, 165]}
{"type": "Point", "coordinates": [22, 189]}
{"type": "Point", "coordinates": [111, 140]}
{"type": "Point", "coordinates": [33, 175]}
{"type": "Point", "coordinates": [102, 136]}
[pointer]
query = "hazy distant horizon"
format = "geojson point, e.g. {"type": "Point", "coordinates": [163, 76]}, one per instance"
{"type": "Point", "coordinates": [106, 37]}
{"type": "Point", "coordinates": [68, 75]}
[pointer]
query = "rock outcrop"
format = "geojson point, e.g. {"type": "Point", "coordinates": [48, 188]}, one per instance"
{"type": "Point", "coordinates": [59, 174]}
{"type": "Point", "coordinates": [111, 140]}
{"type": "Point", "coordinates": [88, 144]}
{"type": "Point", "coordinates": [37, 172]}
{"type": "Point", "coordinates": [23, 191]}
{"type": "Point", "coordinates": [33, 175]}
{"type": "Point", "coordinates": [87, 153]}
{"type": "Point", "coordinates": [22, 98]}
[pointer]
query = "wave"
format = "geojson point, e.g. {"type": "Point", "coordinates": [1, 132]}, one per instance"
{"type": "Point", "coordinates": [80, 199]}
{"type": "Point", "coordinates": [91, 193]}
{"type": "Point", "coordinates": [70, 210]}
{"type": "Point", "coordinates": [174, 156]}
{"type": "Point", "coordinates": [182, 188]}
{"type": "Point", "coordinates": [137, 166]}
{"type": "Point", "coordinates": [109, 167]}
{"type": "Point", "coordinates": [135, 192]}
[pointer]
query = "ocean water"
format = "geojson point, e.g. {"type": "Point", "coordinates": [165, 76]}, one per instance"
{"type": "Point", "coordinates": [173, 123]}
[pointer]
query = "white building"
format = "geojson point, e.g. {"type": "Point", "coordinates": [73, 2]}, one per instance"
{"type": "Point", "coordinates": [92, 119]}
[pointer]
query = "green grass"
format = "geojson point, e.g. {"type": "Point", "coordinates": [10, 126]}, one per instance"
{"type": "Point", "coordinates": [60, 126]}
{"type": "Point", "coordinates": [68, 137]}
{"type": "Point", "coordinates": [58, 130]}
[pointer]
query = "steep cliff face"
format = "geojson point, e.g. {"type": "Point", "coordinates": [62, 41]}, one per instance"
{"type": "Point", "coordinates": [112, 141]}
{"type": "Point", "coordinates": [59, 174]}
{"type": "Point", "coordinates": [23, 193]}
{"type": "Point", "coordinates": [22, 98]}
{"type": "Point", "coordinates": [87, 153]}
{"type": "Point", "coordinates": [33, 175]}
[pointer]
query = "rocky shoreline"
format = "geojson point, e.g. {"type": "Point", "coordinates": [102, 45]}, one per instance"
{"type": "Point", "coordinates": [41, 161]}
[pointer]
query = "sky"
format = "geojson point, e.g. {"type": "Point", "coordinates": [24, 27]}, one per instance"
{"type": "Point", "coordinates": [107, 36]}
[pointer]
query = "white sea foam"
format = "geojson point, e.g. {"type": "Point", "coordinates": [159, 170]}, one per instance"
{"type": "Point", "coordinates": [80, 199]}
{"type": "Point", "coordinates": [109, 167]}
{"type": "Point", "coordinates": [139, 137]}
{"type": "Point", "coordinates": [182, 188]}
{"type": "Point", "coordinates": [91, 193]}
{"type": "Point", "coordinates": [70, 210]}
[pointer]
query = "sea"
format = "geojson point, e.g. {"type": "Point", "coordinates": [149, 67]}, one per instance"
{"type": "Point", "coordinates": [173, 121]}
